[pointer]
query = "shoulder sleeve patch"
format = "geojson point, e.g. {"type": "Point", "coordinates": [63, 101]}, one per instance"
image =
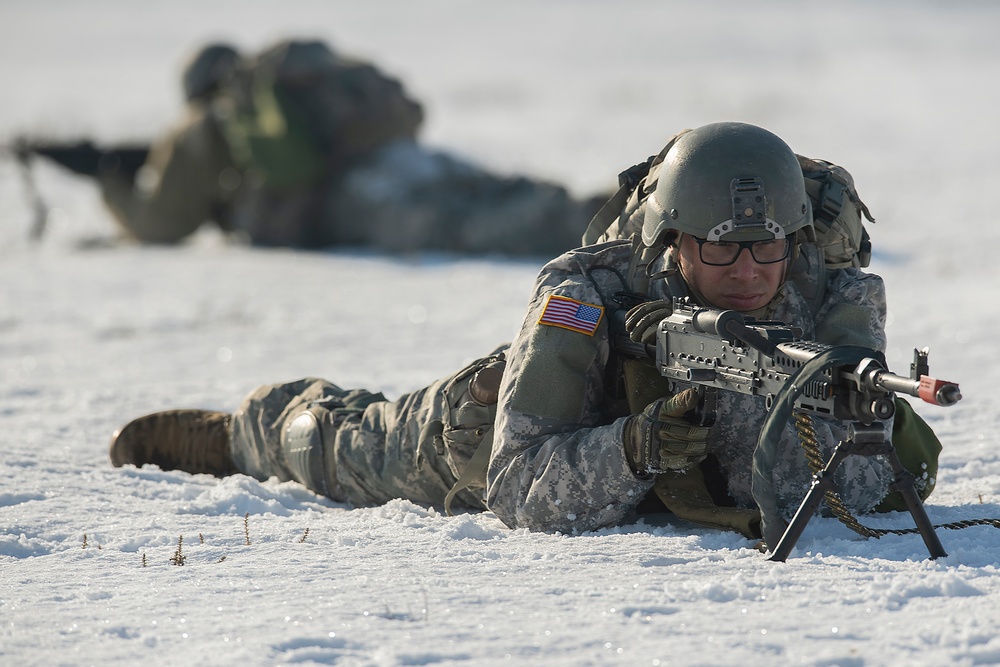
{"type": "Point", "coordinates": [566, 313]}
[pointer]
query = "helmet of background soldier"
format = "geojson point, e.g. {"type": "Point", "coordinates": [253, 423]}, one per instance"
{"type": "Point", "coordinates": [210, 68]}
{"type": "Point", "coordinates": [728, 182]}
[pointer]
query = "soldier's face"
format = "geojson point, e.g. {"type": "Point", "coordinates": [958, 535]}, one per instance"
{"type": "Point", "coordinates": [743, 285]}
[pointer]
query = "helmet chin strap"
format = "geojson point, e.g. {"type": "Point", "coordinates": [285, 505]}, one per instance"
{"type": "Point", "coordinates": [677, 285]}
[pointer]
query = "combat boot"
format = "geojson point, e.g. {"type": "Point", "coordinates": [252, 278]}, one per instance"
{"type": "Point", "coordinates": [196, 441]}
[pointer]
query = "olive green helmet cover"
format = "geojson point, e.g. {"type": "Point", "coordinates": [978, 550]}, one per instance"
{"type": "Point", "coordinates": [728, 182]}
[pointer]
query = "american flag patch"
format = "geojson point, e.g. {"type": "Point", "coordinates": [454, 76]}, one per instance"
{"type": "Point", "coordinates": [571, 314]}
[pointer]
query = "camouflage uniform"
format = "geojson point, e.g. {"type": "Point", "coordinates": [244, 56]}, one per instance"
{"type": "Point", "coordinates": [373, 450]}
{"type": "Point", "coordinates": [305, 148]}
{"type": "Point", "coordinates": [189, 177]}
{"type": "Point", "coordinates": [558, 461]}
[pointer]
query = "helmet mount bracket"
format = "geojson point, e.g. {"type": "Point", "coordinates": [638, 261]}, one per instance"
{"type": "Point", "coordinates": [749, 210]}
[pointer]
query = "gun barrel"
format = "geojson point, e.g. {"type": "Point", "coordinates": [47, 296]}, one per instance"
{"type": "Point", "coordinates": [897, 383]}
{"type": "Point", "coordinates": [935, 392]}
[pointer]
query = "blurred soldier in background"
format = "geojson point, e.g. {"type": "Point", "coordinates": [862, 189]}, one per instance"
{"type": "Point", "coordinates": [304, 147]}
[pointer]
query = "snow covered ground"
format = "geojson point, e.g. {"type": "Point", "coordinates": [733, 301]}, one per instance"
{"type": "Point", "coordinates": [91, 334]}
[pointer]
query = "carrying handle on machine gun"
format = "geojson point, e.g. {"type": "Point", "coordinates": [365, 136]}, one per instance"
{"type": "Point", "coordinates": [729, 324]}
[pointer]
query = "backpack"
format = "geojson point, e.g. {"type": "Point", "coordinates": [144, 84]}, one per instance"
{"type": "Point", "coordinates": [298, 113]}
{"type": "Point", "coordinates": [838, 212]}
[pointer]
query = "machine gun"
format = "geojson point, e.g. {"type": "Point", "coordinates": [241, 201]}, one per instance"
{"type": "Point", "coordinates": [724, 350]}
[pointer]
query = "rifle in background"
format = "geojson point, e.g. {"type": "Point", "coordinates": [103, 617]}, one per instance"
{"type": "Point", "coordinates": [81, 157]}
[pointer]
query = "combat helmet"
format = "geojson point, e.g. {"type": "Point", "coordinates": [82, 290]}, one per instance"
{"type": "Point", "coordinates": [728, 182]}
{"type": "Point", "coordinates": [208, 69]}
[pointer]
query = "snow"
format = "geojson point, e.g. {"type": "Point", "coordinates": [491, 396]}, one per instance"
{"type": "Point", "coordinates": [92, 334]}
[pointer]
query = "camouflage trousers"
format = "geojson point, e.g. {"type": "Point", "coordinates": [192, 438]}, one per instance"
{"type": "Point", "coordinates": [374, 450]}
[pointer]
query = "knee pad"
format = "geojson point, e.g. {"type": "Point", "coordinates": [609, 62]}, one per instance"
{"type": "Point", "coordinates": [305, 454]}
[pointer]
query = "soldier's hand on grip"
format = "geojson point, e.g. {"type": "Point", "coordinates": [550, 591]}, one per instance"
{"type": "Point", "coordinates": [642, 321]}
{"type": "Point", "coordinates": [659, 440]}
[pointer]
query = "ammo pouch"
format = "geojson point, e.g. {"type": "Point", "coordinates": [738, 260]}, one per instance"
{"type": "Point", "coordinates": [466, 439]}
{"type": "Point", "coordinates": [687, 497]}
{"type": "Point", "coordinates": [918, 449]}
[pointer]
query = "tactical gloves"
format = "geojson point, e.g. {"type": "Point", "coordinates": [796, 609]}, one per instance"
{"type": "Point", "coordinates": [658, 439]}
{"type": "Point", "coordinates": [642, 321]}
